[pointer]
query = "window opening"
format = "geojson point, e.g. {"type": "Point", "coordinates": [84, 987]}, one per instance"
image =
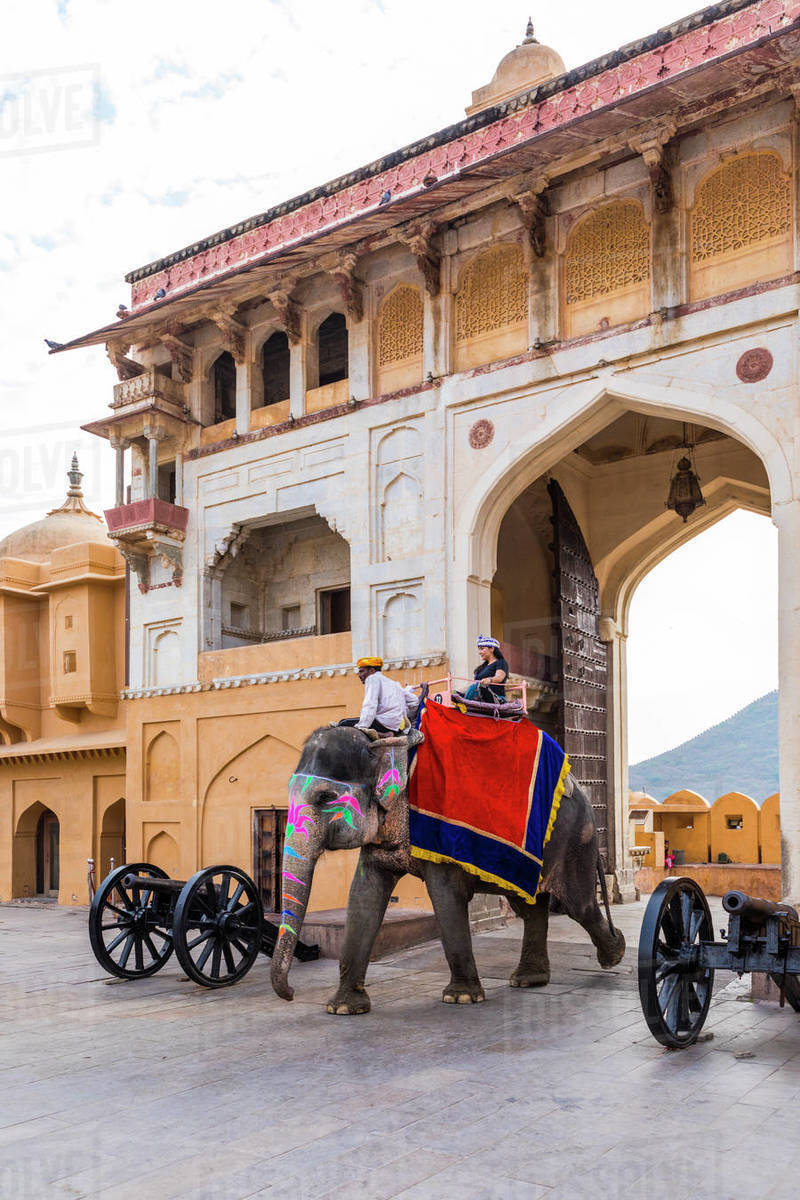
{"type": "Point", "coordinates": [332, 349]}
{"type": "Point", "coordinates": [70, 662]}
{"type": "Point", "coordinates": [334, 610]}
{"type": "Point", "coordinates": [166, 483]}
{"type": "Point", "coordinates": [224, 372]}
{"type": "Point", "coordinates": [275, 368]}
{"type": "Point", "coordinates": [290, 617]}
{"type": "Point", "coordinates": [240, 615]}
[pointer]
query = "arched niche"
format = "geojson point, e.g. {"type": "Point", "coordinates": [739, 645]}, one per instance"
{"type": "Point", "coordinates": [400, 339]}
{"type": "Point", "coordinates": [162, 851]}
{"type": "Point", "coordinates": [490, 313]}
{"type": "Point", "coordinates": [112, 838]}
{"type": "Point", "coordinates": [162, 771]}
{"type": "Point", "coordinates": [256, 777]}
{"type": "Point", "coordinates": [606, 269]}
{"type": "Point", "coordinates": [740, 228]}
{"type": "Point", "coordinates": [401, 517]}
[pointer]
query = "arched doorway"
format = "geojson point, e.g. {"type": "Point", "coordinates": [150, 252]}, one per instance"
{"type": "Point", "coordinates": [112, 838]}
{"type": "Point", "coordinates": [48, 836]}
{"type": "Point", "coordinates": [36, 858]}
{"type": "Point", "coordinates": [571, 543]}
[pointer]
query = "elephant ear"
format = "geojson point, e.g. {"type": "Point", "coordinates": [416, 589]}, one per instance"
{"type": "Point", "coordinates": [392, 773]}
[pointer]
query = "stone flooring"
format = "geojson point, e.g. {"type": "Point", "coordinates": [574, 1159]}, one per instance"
{"type": "Point", "coordinates": [162, 1089]}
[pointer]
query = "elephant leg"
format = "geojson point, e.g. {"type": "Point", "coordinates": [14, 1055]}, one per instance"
{"type": "Point", "coordinates": [450, 896]}
{"type": "Point", "coordinates": [534, 965]}
{"type": "Point", "coordinates": [610, 945]}
{"type": "Point", "coordinates": [369, 896]}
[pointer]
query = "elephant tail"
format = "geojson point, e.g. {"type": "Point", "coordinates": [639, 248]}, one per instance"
{"type": "Point", "coordinates": [604, 893]}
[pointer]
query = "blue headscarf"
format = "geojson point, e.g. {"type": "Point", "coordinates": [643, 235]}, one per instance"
{"type": "Point", "coordinates": [491, 642]}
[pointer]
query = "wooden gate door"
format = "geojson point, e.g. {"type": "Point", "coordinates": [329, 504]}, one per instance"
{"type": "Point", "coordinates": [269, 829]}
{"type": "Point", "coordinates": [583, 668]}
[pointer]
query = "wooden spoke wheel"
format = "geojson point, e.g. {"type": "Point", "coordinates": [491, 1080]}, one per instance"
{"type": "Point", "coordinates": [675, 990]}
{"type": "Point", "coordinates": [791, 986]}
{"type": "Point", "coordinates": [130, 928]}
{"type": "Point", "coordinates": [218, 926]}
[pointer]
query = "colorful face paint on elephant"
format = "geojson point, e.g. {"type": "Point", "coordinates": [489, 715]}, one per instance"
{"type": "Point", "coordinates": [302, 821]}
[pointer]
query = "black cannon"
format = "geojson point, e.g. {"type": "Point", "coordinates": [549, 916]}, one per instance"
{"type": "Point", "coordinates": [678, 955]}
{"type": "Point", "coordinates": [214, 922]}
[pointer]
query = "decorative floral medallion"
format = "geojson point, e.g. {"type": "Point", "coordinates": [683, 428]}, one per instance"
{"type": "Point", "coordinates": [481, 434]}
{"type": "Point", "coordinates": [754, 365]}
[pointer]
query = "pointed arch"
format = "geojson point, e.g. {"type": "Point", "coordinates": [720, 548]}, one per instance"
{"type": "Point", "coordinates": [256, 777]}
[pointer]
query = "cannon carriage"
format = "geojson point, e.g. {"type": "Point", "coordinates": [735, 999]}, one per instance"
{"type": "Point", "coordinates": [214, 922]}
{"type": "Point", "coordinates": [678, 955]}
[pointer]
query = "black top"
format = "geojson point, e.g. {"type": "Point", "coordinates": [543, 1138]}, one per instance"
{"type": "Point", "coordinates": [487, 670]}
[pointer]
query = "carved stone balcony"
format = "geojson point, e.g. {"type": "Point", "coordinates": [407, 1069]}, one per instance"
{"type": "Point", "coordinates": [150, 385]}
{"type": "Point", "coordinates": [147, 529]}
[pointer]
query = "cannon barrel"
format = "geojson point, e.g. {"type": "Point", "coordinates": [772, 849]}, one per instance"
{"type": "Point", "coordinates": [754, 911]}
{"type": "Point", "coordinates": [147, 883]}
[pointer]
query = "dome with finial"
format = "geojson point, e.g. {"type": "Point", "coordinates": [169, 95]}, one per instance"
{"type": "Point", "coordinates": [527, 65]}
{"type": "Point", "coordinates": [71, 522]}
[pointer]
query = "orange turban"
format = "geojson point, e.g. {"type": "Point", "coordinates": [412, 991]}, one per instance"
{"type": "Point", "coordinates": [370, 662]}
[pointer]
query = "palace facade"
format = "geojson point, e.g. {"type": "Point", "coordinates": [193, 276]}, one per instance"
{"type": "Point", "coordinates": [449, 393]}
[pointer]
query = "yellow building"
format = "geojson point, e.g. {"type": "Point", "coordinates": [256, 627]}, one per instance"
{"type": "Point", "coordinates": [62, 668]}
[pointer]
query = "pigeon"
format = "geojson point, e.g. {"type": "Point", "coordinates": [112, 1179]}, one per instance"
{"type": "Point", "coordinates": [385, 198]}
{"type": "Point", "coordinates": [122, 310]}
{"type": "Point", "coordinates": [160, 294]}
{"type": "Point", "coordinates": [54, 345]}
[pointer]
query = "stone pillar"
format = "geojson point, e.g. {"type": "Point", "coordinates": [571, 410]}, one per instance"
{"type": "Point", "coordinates": [358, 364]}
{"type": "Point", "coordinates": [244, 381]}
{"type": "Point", "coordinates": [297, 379]}
{"type": "Point", "coordinates": [152, 466]}
{"type": "Point", "coordinates": [120, 445]}
{"type": "Point", "coordinates": [179, 479]}
{"type": "Point", "coordinates": [787, 518]}
{"type": "Point", "coordinates": [615, 641]}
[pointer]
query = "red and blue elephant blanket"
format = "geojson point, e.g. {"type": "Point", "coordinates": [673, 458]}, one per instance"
{"type": "Point", "coordinates": [485, 794]}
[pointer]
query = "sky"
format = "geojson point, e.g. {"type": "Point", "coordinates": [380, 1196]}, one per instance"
{"type": "Point", "coordinates": [129, 131]}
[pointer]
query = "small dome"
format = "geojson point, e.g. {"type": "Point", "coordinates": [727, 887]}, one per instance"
{"type": "Point", "coordinates": [522, 69]}
{"type": "Point", "coordinates": [64, 526]}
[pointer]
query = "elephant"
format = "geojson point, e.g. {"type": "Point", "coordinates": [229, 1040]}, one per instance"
{"type": "Point", "coordinates": [335, 804]}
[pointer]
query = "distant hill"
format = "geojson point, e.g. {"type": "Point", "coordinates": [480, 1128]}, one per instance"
{"type": "Point", "coordinates": [738, 755]}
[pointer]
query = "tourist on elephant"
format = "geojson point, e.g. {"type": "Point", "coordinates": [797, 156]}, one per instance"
{"type": "Point", "coordinates": [491, 675]}
{"type": "Point", "coordinates": [384, 707]}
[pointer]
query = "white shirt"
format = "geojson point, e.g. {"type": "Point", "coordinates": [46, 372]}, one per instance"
{"type": "Point", "coordinates": [383, 699]}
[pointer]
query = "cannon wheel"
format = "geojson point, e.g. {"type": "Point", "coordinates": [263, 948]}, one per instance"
{"type": "Point", "coordinates": [791, 985]}
{"type": "Point", "coordinates": [218, 926]}
{"type": "Point", "coordinates": [130, 929]}
{"type": "Point", "coordinates": [674, 990]}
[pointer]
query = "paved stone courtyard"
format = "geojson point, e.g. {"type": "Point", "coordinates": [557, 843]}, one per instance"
{"type": "Point", "coordinates": [159, 1088]}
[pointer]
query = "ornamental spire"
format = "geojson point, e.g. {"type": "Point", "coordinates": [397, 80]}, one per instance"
{"type": "Point", "coordinates": [530, 40]}
{"type": "Point", "coordinates": [73, 501]}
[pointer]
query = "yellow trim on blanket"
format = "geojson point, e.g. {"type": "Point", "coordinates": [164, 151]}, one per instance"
{"type": "Point", "coordinates": [557, 797]}
{"type": "Point", "coordinates": [432, 856]}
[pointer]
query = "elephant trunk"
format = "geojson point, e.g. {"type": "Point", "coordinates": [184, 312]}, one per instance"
{"type": "Point", "coordinates": [299, 861]}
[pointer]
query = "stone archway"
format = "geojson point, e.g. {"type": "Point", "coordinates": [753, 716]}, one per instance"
{"type": "Point", "coordinates": [627, 526]}
{"type": "Point", "coordinates": [36, 853]}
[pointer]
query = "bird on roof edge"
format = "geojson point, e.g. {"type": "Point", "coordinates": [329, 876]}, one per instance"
{"type": "Point", "coordinates": [51, 345]}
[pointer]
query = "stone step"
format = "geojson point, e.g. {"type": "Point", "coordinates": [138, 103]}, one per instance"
{"type": "Point", "coordinates": [401, 928]}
